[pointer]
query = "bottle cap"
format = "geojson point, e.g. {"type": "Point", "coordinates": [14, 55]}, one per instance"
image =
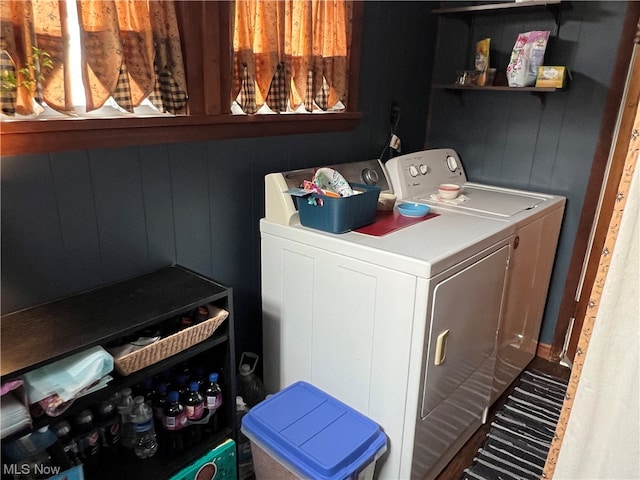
{"type": "Point", "coordinates": [194, 386]}
{"type": "Point", "coordinates": [213, 377]}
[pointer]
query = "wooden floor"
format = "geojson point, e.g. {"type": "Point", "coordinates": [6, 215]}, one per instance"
{"type": "Point", "coordinates": [464, 458]}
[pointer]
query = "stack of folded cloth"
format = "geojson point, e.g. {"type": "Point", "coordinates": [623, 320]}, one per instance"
{"type": "Point", "coordinates": [14, 413]}
{"type": "Point", "coordinates": [51, 389]}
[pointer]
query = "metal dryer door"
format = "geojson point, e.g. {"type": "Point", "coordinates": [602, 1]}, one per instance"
{"type": "Point", "coordinates": [464, 320]}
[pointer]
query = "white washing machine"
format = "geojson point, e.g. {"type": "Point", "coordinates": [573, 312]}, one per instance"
{"type": "Point", "coordinates": [537, 219]}
{"type": "Point", "coordinates": [401, 327]}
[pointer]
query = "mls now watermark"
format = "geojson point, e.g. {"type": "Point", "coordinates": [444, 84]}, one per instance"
{"type": "Point", "coordinates": [33, 469]}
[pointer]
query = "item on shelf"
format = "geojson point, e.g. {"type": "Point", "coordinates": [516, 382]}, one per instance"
{"type": "Point", "coordinates": [159, 401]}
{"type": "Point", "coordinates": [213, 401]}
{"type": "Point", "coordinates": [145, 443]}
{"type": "Point", "coordinates": [182, 387]}
{"type": "Point", "coordinates": [69, 376]}
{"type": "Point", "coordinates": [173, 420]}
{"type": "Point", "coordinates": [491, 76]}
{"type": "Point", "coordinates": [467, 77]}
{"type": "Point", "coordinates": [125, 405]}
{"type": "Point", "coordinates": [482, 61]}
{"type": "Point", "coordinates": [14, 413]}
{"type": "Point", "coordinates": [553, 76]}
{"type": "Point", "coordinates": [174, 414]}
{"type": "Point", "coordinates": [108, 425]}
{"type": "Point", "coordinates": [194, 411]}
{"type": "Point", "coordinates": [526, 57]}
{"type": "Point", "coordinates": [172, 344]}
{"type": "Point", "coordinates": [69, 444]}
{"type": "Point", "coordinates": [88, 436]}
{"type": "Point", "coordinates": [250, 386]}
{"type": "Point", "coordinates": [34, 452]}
{"type": "Point", "coordinates": [213, 393]}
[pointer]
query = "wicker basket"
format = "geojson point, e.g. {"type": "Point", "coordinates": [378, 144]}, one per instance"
{"type": "Point", "coordinates": [168, 346]}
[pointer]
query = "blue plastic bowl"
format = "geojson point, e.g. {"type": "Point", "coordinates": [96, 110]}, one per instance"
{"type": "Point", "coordinates": [415, 210]}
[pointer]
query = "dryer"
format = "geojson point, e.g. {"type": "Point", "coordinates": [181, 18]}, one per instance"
{"type": "Point", "coordinates": [400, 327]}
{"type": "Point", "coordinates": [536, 218]}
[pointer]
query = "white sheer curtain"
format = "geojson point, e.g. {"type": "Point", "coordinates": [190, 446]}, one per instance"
{"type": "Point", "coordinates": [602, 439]}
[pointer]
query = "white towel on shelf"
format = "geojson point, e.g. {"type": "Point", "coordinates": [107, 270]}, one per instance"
{"type": "Point", "coordinates": [15, 415]}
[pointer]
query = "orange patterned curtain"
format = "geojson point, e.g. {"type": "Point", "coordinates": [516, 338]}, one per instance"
{"type": "Point", "coordinates": [295, 50]}
{"type": "Point", "coordinates": [25, 25]}
{"type": "Point", "coordinates": [130, 50]}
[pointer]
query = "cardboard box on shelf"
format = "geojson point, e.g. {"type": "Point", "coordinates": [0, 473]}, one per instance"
{"type": "Point", "coordinates": [553, 76]}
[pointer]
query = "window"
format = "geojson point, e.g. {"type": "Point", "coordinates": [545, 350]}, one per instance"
{"type": "Point", "coordinates": [206, 39]}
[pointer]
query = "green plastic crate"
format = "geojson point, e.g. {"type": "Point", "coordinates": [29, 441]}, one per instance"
{"type": "Point", "coordinates": [219, 464]}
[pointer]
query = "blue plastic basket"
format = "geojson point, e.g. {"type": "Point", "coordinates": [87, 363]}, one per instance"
{"type": "Point", "coordinates": [339, 215]}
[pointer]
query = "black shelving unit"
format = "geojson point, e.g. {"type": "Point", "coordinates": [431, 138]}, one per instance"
{"type": "Point", "coordinates": [37, 336]}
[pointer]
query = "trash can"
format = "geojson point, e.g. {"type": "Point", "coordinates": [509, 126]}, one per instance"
{"type": "Point", "coordinates": [302, 432]}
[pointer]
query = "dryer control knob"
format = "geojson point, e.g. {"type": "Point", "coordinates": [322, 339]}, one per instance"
{"type": "Point", "coordinates": [452, 163]}
{"type": "Point", "coordinates": [370, 176]}
{"type": "Point", "coordinates": [413, 171]}
{"type": "Point", "coordinates": [423, 169]}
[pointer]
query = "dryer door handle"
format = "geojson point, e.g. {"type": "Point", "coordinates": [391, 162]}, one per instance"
{"type": "Point", "coordinates": [441, 347]}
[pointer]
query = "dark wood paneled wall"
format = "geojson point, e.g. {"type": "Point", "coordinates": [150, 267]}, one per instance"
{"type": "Point", "coordinates": [521, 140]}
{"type": "Point", "coordinates": [73, 221]}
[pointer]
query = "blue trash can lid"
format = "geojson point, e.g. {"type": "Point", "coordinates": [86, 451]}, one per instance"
{"type": "Point", "coordinates": [316, 434]}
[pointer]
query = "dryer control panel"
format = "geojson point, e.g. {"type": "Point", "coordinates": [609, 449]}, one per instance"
{"type": "Point", "coordinates": [417, 175]}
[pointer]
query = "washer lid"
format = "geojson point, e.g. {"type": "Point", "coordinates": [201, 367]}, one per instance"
{"type": "Point", "coordinates": [493, 201]}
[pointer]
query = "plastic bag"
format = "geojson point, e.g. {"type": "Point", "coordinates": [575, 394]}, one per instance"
{"type": "Point", "coordinates": [482, 61]}
{"type": "Point", "coordinates": [526, 57]}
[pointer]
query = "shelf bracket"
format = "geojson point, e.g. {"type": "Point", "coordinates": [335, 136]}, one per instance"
{"type": "Point", "coordinates": [542, 96]}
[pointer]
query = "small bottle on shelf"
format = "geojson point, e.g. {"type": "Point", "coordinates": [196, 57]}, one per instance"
{"type": "Point", "coordinates": [194, 411]}
{"type": "Point", "coordinates": [145, 441]}
{"type": "Point", "coordinates": [108, 425]}
{"type": "Point", "coordinates": [88, 436]}
{"type": "Point", "coordinates": [213, 401]}
{"type": "Point", "coordinates": [173, 421]}
{"type": "Point", "coordinates": [159, 401]}
{"type": "Point", "coordinates": [70, 446]}
{"type": "Point", "coordinates": [124, 411]}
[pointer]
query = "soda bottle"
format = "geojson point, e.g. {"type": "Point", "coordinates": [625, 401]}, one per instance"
{"type": "Point", "coordinates": [213, 393]}
{"type": "Point", "coordinates": [108, 425]}
{"type": "Point", "coordinates": [173, 420]}
{"type": "Point", "coordinates": [182, 387]}
{"type": "Point", "coordinates": [159, 402]}
{"type": "Point", "coordinates": [213, 401]}
{"type": "Point", "coordinates": [201, 377]}
{"type": "Point", "coordinates": [146, 389]}
{"type": "Point", "coordinates": [145, 442]}
{"type": "Point", "coordinates": [194, 411]}
{"type": "Point", "coordinates": [194, 403]}
{"type": "Point", "coordinates": [89, 441]}
{"type": "Point", "coordinates": [124, 411]}
{"type": "Point", "coordinates": [174, 415]}
{"type": "Point", "coordinates": [69, 445]}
